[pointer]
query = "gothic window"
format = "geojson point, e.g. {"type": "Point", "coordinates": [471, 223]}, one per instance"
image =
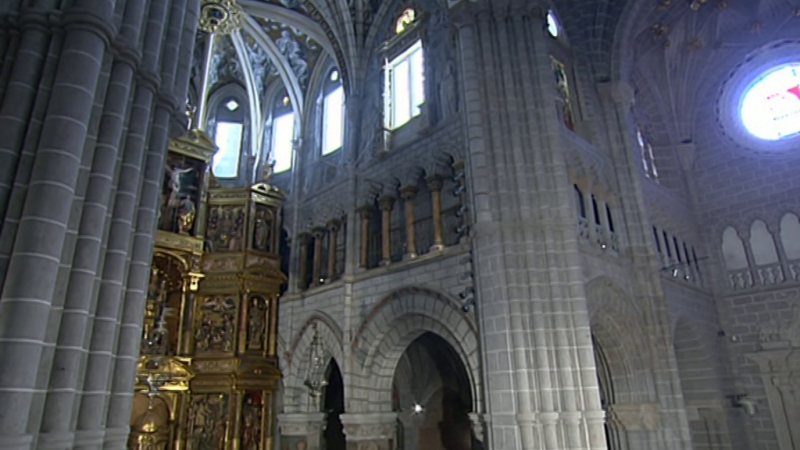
{"type": "Point", "coordinates": [595, 210]}
{"type": "Point", "coordinates": [282, 134]}
{"type": "Point", "coordinates": [733, 250]}
{"type": "Point", "coordinates": [790, 236]}
{"type": "Point", "coordinates": [553, 24]}
{"type": "Point", "coordinates": [648, 160]}
{"type": "Point", "coordinates": [333, 114]}
{"type": "Point", "coordinates": [666, 244]}
{"type": "Point", "coordinates": [770, 108]}
{"type": "Point", "coordinates": [658, 241]}
{"type": "Point", "coordinates": [762, 244]}
{"type": "Point", "coordinates": [563, 101]}
{"type": "Point", "coordinates": [610, 219]}
{"type": "Point", "coordinates": [228, 135]}
{"type": "Point", "coordinates": [579, 201]}
{"type": "Point", "coordinates": [405, 86]}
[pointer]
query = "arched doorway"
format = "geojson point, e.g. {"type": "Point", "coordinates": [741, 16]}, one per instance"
{"type": "Point", "coordinates": [605, 382]}
{"type": "Point", "coordinates": [432, 395]}
{"type": "Point", "coordinates": [333, 406]}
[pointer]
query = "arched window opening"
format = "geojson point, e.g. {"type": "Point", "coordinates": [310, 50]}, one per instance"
{"type": "Point", "coordinates": [790, 236]}
{"type": "Point", "coordinates": [770, 108]}
{"type": "Point", "coordinates": [405, 86]}
{"type": "Point", "coordinates": [282, 134]}
{"type": "Point", "coordinates": [733, 250]}
{"type": "Point", "coordinates": [648, 159]}
{"type": "Point", "coordinates": [228, 136]}
{"type": "Point", "coordinates": [595, 210]}
{"type": "Point", "coordinates": [553, 24]}
{"type": "Point", "coordinates": [579, 201]}
{"type": "Point", "coordinates": [333, 114]}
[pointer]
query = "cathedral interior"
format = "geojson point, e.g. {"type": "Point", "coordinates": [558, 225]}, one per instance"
{"type": "Point", "coordinates": [400, 224]}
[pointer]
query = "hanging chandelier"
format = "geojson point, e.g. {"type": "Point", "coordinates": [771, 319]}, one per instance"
{"type": "Point", "coordinates": [316, 381]}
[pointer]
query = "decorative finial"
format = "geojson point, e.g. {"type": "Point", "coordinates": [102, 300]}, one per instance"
{"type": "Point", "coordinates": [220, 16]}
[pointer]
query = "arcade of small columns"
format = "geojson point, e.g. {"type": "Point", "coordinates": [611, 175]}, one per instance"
{"type": "Point", "coordinates": [322, 241]}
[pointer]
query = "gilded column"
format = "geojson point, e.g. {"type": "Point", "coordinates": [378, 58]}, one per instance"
{"type": "Point", "coordinates": [409, 193]}
{"type": "Point", "coordinates": [366, 215]}
{"type": "Point", "coordinates": [333, 237]}
{"type": "Point", "coordinates": [34, 265]}
{"type": "Point", "coordinates": [386, 205]}
{"type": "Point", "coordinates": [316, 268]}
{"type": "Point", "coordinates": [435, 186]}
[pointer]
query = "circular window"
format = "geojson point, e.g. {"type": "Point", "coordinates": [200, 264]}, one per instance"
{"type": "Point", "coordinates": [770, 106]}
{"type": "Point", "coordinates": [553, 26]}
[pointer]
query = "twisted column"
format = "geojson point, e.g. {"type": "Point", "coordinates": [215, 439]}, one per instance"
{"type": "Point", "coordinates": [435, 185]}
{"type": "Point", "coordinates": [409, 193]}
{"type": "Point", "coordinates": [34, 265]}
{"type": "Point", "coordinates": [366, 215]}
{"type": "Point", "coordinates": [386, 205]}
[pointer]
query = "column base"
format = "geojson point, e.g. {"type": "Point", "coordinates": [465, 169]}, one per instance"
{"type": "Point", "coordinates": [410, 256]}
{"type": "Point", "coordinates": [437, 248]}
{"type": "Point", "coordinates": [385, 262]}
{"type": "Point", "coordinates": [21, 442]}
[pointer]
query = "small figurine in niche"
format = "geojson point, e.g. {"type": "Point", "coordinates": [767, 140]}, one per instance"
{"type": "Point", "coordinates": [186, 215]}
{"type": "Point", "coordinates": [175, 184]}
{"type": "Point", "coordinates": [263, 229]}
{"type": "Point", "coordinates": [257, 323]}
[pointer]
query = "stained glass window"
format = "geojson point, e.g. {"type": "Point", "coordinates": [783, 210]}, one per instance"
{"type": "Point", "coordinates": [770, 108]}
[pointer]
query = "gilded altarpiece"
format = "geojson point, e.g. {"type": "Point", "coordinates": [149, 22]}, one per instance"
{"type": "Point", "coordinates": [208, 367]}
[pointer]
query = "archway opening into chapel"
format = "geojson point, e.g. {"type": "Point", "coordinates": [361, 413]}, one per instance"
{"type": "Point", "coordinates": [432, 395]}
{"type": "Point", "coordinates": [333, 406]}
{"type": "Point", "coordinates": [604, 381]}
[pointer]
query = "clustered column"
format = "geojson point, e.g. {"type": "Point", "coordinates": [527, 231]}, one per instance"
{"type": "Point", "coordinates": [71, 200]}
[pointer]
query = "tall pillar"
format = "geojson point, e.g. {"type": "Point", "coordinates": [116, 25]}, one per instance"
{"type": "Point", "coordinates": [543, 391]}
{"type": "Point", "coordinates": [178, 45]}
{"type": "Point", "coordinates": [316, 267]}
{"type": "Point", "coordinates": [34, 265]}
{"type": "Point", "coordinates": [302, 268]}
{"type": "Point", "coordinates": [80, 301]}
{"type": "Point", "coordinates": [435, 185]}
{"type": "Point", "coordinates": [333, 237]}
{"type": "Point", "coordinates": [409, 193]}
{"type": "Point", "coordinates": [386, 204]}
{"type": "Point", "coordinates": [366, 215]}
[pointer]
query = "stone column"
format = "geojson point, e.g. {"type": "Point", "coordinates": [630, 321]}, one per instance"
{"type": "Point", "coordinates": [778, 363]}
{"type": "Point", "coordinates": [386, 204]}
{"type": "Point", "coordinates": [375, 431]}
{"type": "Point", "coordinates": [296, 428]}
{"type": "Point", "coordinates": [316, 267]}
{"type": "Point", "coordinates": [96, 383]}
{"type": "Point", "coordinates": [536, 329]}
{"type": "Point", "coordinates": [366, 215]}
{"type": "Point", "coordinates": [177, 47]}
{"type": "Point", "coordinates": [302, 267]}
{"type": "Point", "coordinates": [409, 193]}
{"type": "Point", "coordinates": [80, 301]}
{"type": "Point", "coordinates": [435, 185]}
{"type": "Point", "coordinates": [20, 94]}
{"type": "Point", "coordinates": [34, 265]}
{"type": "Point", "coordinates": [333, 237]}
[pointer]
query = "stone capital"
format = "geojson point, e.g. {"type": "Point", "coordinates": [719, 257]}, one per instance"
{"type": "Point", "coordinates": [637, 416]}
{"type": "Point", "coordinates": [318, 232]}
{"type": "Point", "coordinates": [409, 192]}
{"type": "Point", "coordinates": [365, 212]}
{"type": "Point", "coordinates": [369, 427]}
{"type": "Point", "coordinates": [333, 226]}
{"type": "Point", "coordinates": [301, 424]}
{"type": "Point", "coordinates": [386, 203]}
{"type": "Point", "coordinates": [435, 183]}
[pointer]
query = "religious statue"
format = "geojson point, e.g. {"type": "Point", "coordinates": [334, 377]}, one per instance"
{"type": "Point", "coordinates": [186, 215]}
{"type": "Point", "coordinates": [290, 48]}
{"type": "Point", "coordinates": [257, 323]}
{"type": "Point", "coordinates": [175, 184]}
{"type": "Point", "coordinates": [448, 101]}
{"type": "Point", "coordinates": [251, 423]}
{"type": "Point", "coordinates": [263, 231]}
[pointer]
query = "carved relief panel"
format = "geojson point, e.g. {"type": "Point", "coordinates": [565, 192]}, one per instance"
{"type": "Point", "coordinates": [215, 330]}
{"type": "Point", "coordinates": [206, 427]}
{"type": "Point", "coordinates": [226, 228]}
